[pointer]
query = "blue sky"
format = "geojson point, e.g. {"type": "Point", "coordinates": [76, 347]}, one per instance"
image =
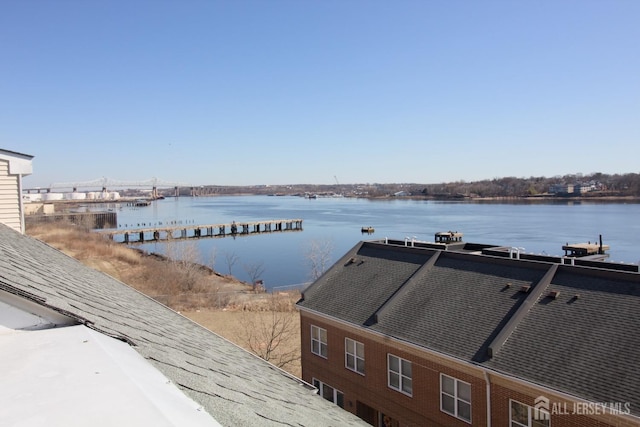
{"type": "Point", "coordinates": [287, 92]}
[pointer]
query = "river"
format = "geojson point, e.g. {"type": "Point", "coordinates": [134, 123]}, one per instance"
{"type": "Point", "coordinates": [538, 227]}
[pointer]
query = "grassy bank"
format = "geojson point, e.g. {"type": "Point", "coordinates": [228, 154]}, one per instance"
{"type": "Point", "coordinates": [178, 284]}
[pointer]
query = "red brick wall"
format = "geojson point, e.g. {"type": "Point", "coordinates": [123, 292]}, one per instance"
{"type": "Point", "coordinates": [423, 407]}
{"type": "Point", "coordinates": [502, 390]}
{"type": "Point", "coordinates": [420, 409]}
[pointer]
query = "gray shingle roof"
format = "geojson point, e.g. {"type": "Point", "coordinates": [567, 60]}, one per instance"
{"type": "Point", "coordinates": [234, 386]}
{"type": "Point", "coordinates": [460, 304]}
{"type": "Point", "coordinates": [362, 281]}
{"type": "Point", "coordinates": [589, 346]}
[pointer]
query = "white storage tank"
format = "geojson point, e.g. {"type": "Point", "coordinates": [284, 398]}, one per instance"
{"type": "Point", "coordinates": [53, 196]}
{"type": "Point", "coordinates": [29, 198]}
{"type": "Point", "coordinates": [78, 196]}
{"type": "Point", "coordinates": [114, 195]}
{"type": "Point", "coordinates": [92, 195]}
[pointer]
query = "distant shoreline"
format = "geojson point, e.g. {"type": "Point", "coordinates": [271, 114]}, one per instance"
{"type": "Point", "coordinates": [544, 198]}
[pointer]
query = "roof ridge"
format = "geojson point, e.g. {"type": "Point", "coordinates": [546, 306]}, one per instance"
{"type": "Point", "coordinates": [497, 343]}
{"type": "Point", "coordinates": [402, 289]}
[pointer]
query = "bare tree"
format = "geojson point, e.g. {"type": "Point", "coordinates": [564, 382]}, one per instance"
{"type": "Point", "coordinates": [85, 221]}
{"type": "Point", "coordinates": [318, 257]}
{"type": "Point", "coordinates": [213, 255]}
{"type": "Point", "coordinates": [185, 259]}
{"type": "Point", "coordinates": [231, 258]}
{"type": "Point", "coordinates": [271, 333]}
{"type": "Point", "coordinates": [254, 270]}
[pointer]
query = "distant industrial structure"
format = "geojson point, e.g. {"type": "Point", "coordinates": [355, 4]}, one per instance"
{"type": "Point", "coordinates": [100, 189]}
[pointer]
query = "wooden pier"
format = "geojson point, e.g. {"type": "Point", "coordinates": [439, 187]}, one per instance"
{"type": "Point", "coordinates": [182, 232]}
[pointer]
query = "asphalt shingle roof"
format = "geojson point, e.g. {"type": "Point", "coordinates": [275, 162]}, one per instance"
{"type": "Point", "coordinates": [460, 304]}
{"type": "Point", "coordinates": [589, 346]}
{"type": "Point", "coordinates": [362, 281]}
{"type": "Point", "coordinates": [234, 386]}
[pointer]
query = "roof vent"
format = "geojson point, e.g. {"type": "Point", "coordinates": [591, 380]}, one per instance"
{"type": "Point", "coordinates": [554, 294]}
{"type": "Point", "coordinates": [525, 288]}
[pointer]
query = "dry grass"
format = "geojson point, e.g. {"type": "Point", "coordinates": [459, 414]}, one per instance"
{"type": "Point", "coordinates": [252, 330]}
{"type": "Point", "coordinates": [266, 324]}
{"type": "Point", "coordinates": [177, 284]}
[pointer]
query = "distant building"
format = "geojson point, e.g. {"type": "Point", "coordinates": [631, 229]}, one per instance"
{"type": "Point", "coordinates": [406, 333]}
{"type": "Point", "coordinates": [572, 189]}
{"type": "Point", "coordinates": [561, 189]}
{"type": "Point", "coordinates": [13, 166]}
{"type": "Point", "coordinates": [582, 188]}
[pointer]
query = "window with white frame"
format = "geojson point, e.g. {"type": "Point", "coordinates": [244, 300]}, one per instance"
{"type": "Point", "coordinates": [329, 393]}
{"type": "Point", "coordinates": [354, 355]}
{"type": "Point", "coordinates": [521, 415]}
{"type": "Point", "coordinates": [455, 397]}
{"type": "Point", "coordinates": [319, 341]}
{"type": "Point", "coordinates": [399, 374]}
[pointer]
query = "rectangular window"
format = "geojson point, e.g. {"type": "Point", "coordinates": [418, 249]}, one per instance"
{"type": "Point", "coordinates": [354, 355]}
{"type": "Point", "coordinates": [329, 393]}
{"type": "Point", "coordinates": [319, 341]}
{"type": "Point", "coordinates": [521, 415]}
{"type": "Point", "coordinates": [399, 374]}
{"type": "Point", "coordinates": [455, 397]}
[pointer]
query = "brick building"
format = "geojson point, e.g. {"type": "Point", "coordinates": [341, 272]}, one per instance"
{"type": "Point", "coordinates": [456, 334]}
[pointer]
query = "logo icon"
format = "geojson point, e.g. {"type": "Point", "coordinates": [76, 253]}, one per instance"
{"type": "Point", "coordinates": [541, 409]}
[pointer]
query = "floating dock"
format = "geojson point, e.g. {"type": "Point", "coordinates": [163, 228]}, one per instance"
{"type": "Point", "coordinates": [580, 250]}
{"type": "Point", "coordinates": [448, 237]}
{"type": "Point", "coordinates": [595, 250]}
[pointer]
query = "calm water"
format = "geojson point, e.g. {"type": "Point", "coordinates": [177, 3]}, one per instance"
{"type": "Point", "coordinates": [536, 227]}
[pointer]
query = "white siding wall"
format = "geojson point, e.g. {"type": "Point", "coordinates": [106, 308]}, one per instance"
{"type": "Point", "coordinates": [9, 198]}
